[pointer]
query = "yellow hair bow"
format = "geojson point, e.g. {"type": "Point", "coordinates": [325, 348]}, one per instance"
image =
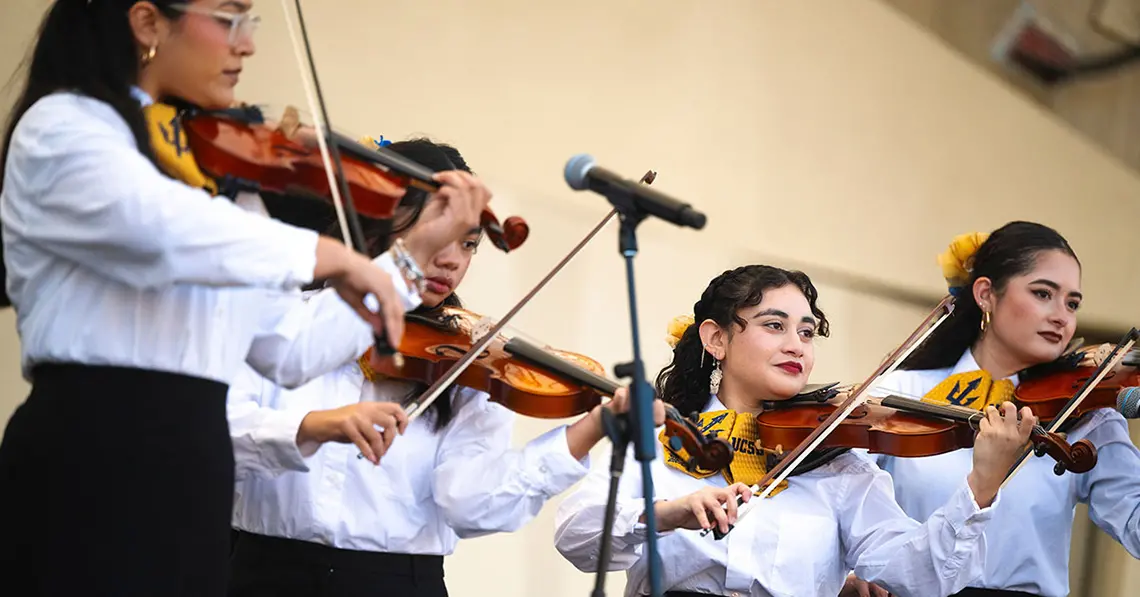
{"type": "Point", "coordinates": [677, 329]}
{"type": "Point", "coordinates": [958, 260]}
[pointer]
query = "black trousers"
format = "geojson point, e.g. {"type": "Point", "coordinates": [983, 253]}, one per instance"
{"type": "Point", "coordinates": [274, 567]}
{"type": "Point", "coordinates": [116, 482]}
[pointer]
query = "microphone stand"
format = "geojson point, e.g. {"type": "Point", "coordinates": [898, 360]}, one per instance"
{"type": "Point", "coordinates": [638, 425]}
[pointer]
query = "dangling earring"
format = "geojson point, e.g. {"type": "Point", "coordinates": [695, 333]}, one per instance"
{"type": "Point", "coordinates": [714, 379]}
{"type": "Point", "coordinates": [146, 58]}
{"type": "Point", "coordinates": [985, 321]}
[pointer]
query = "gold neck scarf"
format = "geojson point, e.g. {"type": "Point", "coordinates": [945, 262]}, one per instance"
{"type": "Point", "coordinates": [974, 390]}
{"type": "Point", "coordinates": [172, 149]}
{"type": "Point", "coordinates": [750, 462]}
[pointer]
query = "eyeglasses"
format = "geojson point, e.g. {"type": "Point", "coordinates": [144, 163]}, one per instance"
{"type": "Point", "coordinates": [242, 24]}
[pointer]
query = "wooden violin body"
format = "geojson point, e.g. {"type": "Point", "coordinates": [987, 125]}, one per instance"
{"type": "Point", "coordinates": [879, 430]}
{"type": "Point", "coordinates": [430, 348]}
{"type": "Point", "coordinates": [236, 148]}
{"type": "Point", "coordinates": [906, 428]}
{"type": "Point", "coordinates": [1046, 396]}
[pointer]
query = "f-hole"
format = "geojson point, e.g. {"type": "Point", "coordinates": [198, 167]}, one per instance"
{"type": "Point", "coordinates": [451, 351]}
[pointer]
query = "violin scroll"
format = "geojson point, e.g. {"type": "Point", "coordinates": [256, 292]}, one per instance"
{"type": "Point", "coordinates": [1077, 458]}
{"type": "Point", "coordinates": [507, 236]}
{"type": "Point", "coordinates": [708, 453]}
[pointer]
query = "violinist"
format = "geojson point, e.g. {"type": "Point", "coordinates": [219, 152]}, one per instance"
{"type": "Point", "coordinates": [752, 343]}
{"type": "Point", "coordinates": [1017, 295]}
{"type": "Point", "coordinates": [312, 517]}
{"type": "Point", "coordinates": [138, 297]}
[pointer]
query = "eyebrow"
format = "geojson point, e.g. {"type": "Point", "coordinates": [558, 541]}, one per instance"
{"type": "Point", "coordinates": [475, 230]}
{"type": "Point", "coordinates": [1057, 287]}
{"type": "Point", "coordinates": [781, 314]}
{"type": "Point", "coordinates": [241, 6]}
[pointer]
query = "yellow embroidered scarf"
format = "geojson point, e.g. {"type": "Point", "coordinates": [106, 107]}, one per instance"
{"type": "Point", "coordinates": [749, 464]}
{"type": "Point", "coordinates": [171, 148]}
{"type": "Point", "coordinates": [974, 390]}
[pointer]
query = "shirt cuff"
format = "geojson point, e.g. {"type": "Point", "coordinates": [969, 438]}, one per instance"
{"type": "Point", "coordinates": [965, 516]}
{"type": "Point", "coordinates": [277, 442]}
{"type": "Point", "coordinates": [555, 470]}
{"type": "Point", "coordinates": [628, 528]}
{"type": "Point", "coordinates": [408, 295]}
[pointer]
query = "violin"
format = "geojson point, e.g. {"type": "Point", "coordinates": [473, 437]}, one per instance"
{"type": "Point", "coordinates": [239, 150]}
{"type": "Point", "coordinates": [901, 427]}
{"type": "Point", "coordinates": [533, 381]}
{"type": "Point", "coordinates": [1047, 395]}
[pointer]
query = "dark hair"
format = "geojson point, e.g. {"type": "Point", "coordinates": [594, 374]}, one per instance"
{"type": "Point", "coordinates": [86, 48]}
{"type": "Point", "coordinates": [684, 383]}
{"type": "Point", "coordinates": [1009, 251]}
{"type": "Point", "coordinates": [437, 156]}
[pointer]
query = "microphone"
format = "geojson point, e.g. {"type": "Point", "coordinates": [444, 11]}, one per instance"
{"type": "Point", "coordinates": [1128, 402]}
{"type": "Point", "coordinates": [582, 173]}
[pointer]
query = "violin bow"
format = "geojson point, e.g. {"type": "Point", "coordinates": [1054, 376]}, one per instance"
{"type": "Point", "coordinates": [1114, 358]}
{"type": "Point", "coordinates": [330, 153]}
{"type": "Point", "coordinates": [416, 407]}
{"type": "Point", "coordinates": [786, 465]}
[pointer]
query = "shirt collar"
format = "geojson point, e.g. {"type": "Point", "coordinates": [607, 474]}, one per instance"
{"type": "Point", "coordinates": [714, 404]}
{"type": "Point", "coordinates": [143, 98]}
{"type": "Point", "coordinates": [967, 363]}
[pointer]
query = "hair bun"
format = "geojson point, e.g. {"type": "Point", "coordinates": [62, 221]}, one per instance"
{"type": "Point", "coordinates": [677, 329]}
{"type": "Point", "coordinates": [958, 260]}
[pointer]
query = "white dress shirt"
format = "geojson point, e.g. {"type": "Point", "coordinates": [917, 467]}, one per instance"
{"type": "Point", "coordinates": [803, 541]}
{"type": "Point", "coordinates": [1029, 538]}
{"type": "Point", "coordinates": [430, 489]}
{"type": "Point", "coordinates": [111, 262]}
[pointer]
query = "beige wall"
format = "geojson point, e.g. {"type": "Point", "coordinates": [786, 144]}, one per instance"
{"type": "Point", "coordinates": [833, 136]}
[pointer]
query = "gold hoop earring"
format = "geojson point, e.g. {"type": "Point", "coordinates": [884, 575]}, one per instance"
{"type": "Point", "coordinates": [149, 55]}
{"type": "Point", "coordinates": [986, 321]}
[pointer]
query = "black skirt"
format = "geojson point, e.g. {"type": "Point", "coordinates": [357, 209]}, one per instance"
{"type": "Point", "coordinates": [116, 481]}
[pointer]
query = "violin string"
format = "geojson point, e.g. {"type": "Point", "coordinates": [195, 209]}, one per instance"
{"type": "Point", "coordinates": [310, 97]}
{"type": "Point", "coordinates": [860, 398]}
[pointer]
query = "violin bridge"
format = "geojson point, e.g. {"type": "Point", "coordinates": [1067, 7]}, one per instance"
{"type": "Point", "coordinates": [481, 329]}
{"type": "Point", "coordinates": [290, 122]}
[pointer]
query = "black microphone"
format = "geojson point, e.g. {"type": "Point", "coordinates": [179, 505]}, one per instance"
{"type": "Point", "coordinates": [582, 173]}
{"type": "Point", "coordinates": [1128, 402]}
